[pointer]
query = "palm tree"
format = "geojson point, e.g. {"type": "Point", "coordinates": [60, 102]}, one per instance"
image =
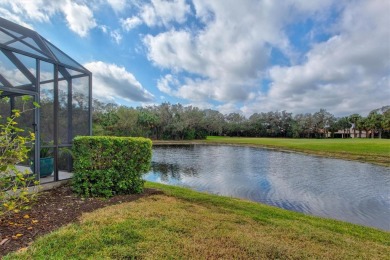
{"type": "Point", "coordinates": [375, 123]}
{"type": "Point", "coordinates": [353, 119]}
{"type": "Point", "coordinates": [361, 124]}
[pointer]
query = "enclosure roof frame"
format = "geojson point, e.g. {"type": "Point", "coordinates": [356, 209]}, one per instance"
{"type": "Point", "coordinates": [19, 39]}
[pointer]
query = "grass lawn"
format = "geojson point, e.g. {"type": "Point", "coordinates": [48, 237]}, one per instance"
{"type": "Point", "coordinates": [183, 224]}
{"type": "Point", "coordinates": [375, 151]}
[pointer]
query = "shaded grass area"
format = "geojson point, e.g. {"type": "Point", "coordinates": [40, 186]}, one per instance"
{"type": "Point", "coordinates": [184, 224]}
{"type": "Point", "coordinates": [376, 151]}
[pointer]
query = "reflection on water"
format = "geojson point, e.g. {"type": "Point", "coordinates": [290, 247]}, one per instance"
{"type": "Point", "coordinates": [169, 171]}
{"type": "Point", "coordinates": [344, 190]}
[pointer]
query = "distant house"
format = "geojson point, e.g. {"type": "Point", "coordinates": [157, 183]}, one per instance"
{"type": "Point", "coordinates": [348, 133]}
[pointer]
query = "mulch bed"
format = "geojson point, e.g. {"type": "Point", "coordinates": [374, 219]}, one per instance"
{"type": "Point", "coordinates": [54, 208]}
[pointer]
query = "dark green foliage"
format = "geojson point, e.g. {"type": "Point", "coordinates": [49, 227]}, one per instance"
{"type": "Point", "coordinates": [15, 145]}
{"type": "Point", "coordinates": [106, 165]}
{"type": "Point", "coordinates": [177, 122]}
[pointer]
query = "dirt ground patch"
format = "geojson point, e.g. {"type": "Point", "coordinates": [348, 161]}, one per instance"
{"type": "Point", "coordinates": [53, 209]}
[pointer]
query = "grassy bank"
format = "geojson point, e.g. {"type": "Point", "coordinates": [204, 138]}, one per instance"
{"type": "Point", "coordinates": [183, 224]}
{"type": "Point", "coordinates": [376, 151]}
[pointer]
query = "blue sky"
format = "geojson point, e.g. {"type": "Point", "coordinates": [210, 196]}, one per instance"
{"type": "Point", "coordinates": [242, 56]}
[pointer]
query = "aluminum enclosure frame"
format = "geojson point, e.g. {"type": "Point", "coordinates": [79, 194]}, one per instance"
{"type": "Point", "coordinates": [31, 65]}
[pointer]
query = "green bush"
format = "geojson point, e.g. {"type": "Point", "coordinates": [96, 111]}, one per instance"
{"type": "Point", "coordinates": [14, 148]}
{"type": "Point", "coordinates": [106, 165]}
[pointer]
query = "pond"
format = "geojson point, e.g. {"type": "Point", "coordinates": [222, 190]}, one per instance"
{"type": "Point", "coordinates": [344, 190]}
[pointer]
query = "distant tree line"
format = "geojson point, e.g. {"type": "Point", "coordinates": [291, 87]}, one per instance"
{"type": "Point", "coordinates": [178, 122]}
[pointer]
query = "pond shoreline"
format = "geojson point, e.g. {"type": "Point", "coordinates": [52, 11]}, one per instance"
{"type": "Point", "coordinates": [340, 189]}
{"type": "Point", "coordinates": [376, 160]}
{"type": "Point", "coordinates": [231, 228]}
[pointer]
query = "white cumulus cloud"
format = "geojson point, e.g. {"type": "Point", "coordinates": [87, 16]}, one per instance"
{"type": "Point", "coordinates": [165, 84]}
{"type": "Point", "coordinates": [116, 36]}
{"type": "Point", "coordinates": [38, 10]}
{"type": "Point", "coordinates": [230, 56]}
{"type": "Point", "coordinates": [160, 12]}
{"type": "Point", "coordinates": [117, 5]}
{"type": "Point", "coordinates": [111, 81]}
{"type": "Point", "coordinates": [79, 16]}
{"type": "Point", "coordinates": [342, 73]}
{"type": "Point", "coordinates": [130, 23]}
{"type": "Point", "coordinates": [6, 14]}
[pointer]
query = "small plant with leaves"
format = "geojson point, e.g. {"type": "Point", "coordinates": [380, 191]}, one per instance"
{"type": "Point", "coordinates": [14, 148]}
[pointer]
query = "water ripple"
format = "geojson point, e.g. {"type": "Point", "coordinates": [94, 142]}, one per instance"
{"type": "Point", "coordinates": [350, 191]}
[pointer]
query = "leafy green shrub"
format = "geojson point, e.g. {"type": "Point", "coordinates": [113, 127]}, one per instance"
{"type": "Point", "coordinates": [14, 148]}
{"type": "Point", "coordinates": [106, 165]}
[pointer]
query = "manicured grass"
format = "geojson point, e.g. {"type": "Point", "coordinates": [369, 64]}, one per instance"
{"type": "Point", "coordinates": [184, 224]}
{"type": "Point", "coordinates": [375, 151]}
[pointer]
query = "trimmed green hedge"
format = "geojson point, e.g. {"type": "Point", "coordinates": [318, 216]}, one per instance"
{"type": "Point", "coordinates": [107, 165]}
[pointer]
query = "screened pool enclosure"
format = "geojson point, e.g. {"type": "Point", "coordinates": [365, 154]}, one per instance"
{"type": "Point", "coordinates": [31, 65]}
